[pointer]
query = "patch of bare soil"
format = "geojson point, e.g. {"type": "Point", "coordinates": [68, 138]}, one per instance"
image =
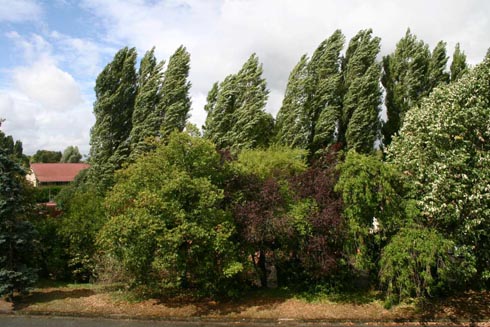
{"type": "Point", "coordinates": [466, 308]}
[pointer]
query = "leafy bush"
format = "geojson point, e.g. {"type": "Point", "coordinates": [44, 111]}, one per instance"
{"type": "Point", "coordinates": [421, 262]}
{"type": "Point", "coordinates": [444, 148]}
{"type": "Point", "coordinates": [45, 194]}
{"type": "Point", "coordinates": [167, 227]}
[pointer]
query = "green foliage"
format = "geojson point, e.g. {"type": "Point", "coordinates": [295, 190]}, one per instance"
{"type": "Point", "coordinates": [359, 123]}
{"type": "Point", "coordinates": [175, 102]}
{"type": "Point", "coordinates": [80, 223]}
{"type": "Point", "coordinates": [46, 193]}
{"type": "Point", "coordinates": [279, 162]}
{"type": "Point", "coordinates": [421, 262]}
{"type": "Point", "coordinates": [46, 156]}
{"type": "Point", "coordinates": [330, 99]}
{"type": "Point", "coordinates": [437, 67]}
{"type": "Point", "coordinates": [115, 92]}
{"type": "Point", "coordinates": [146, 119]}
{"type": "Point", "coordinates": [17, 234]}
{"type": "Point", "coordinates": [324, 91]}
{"type": "Point", "coordinates": [236, 110]}
{"type": "Point", "coordinates": [167, 226]}
{"type": "Point", "coordinates": [459, 67]}
{"type": "Point", "coordinates": [370, 189]}
{"type": "Point", "coordinates": [71, 155]}
{"type": "Point", "coordinates": [443, 147]}
{"type": "Point", "coordinates": [292, 119]}
{"type": "Point", "coordinates": [52, 257]}
{"type": "Point", "coordinates": [405, 77]}
{"type": "Point", "coordinates": [374, 198]}
{"type": "Point", "coordinates": [312, 104]}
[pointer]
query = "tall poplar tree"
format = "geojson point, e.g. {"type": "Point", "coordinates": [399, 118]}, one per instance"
{"type": "Point", "coordinates": [309, 115]}
{"type": "Point", "coordinates": [325, 99]}
{"type": "Point", "coordinates": [252, 126]}
{"type": "Point", "coordinates": [459, 66]}
{"type": "Point", "coordinates": [405, 77]}
{"type": "Point", "coordinates": [175, 102]}
{"type": "Point", "coordinates": [292, 121]}
{"type": "Point", "coordinates": [359, 123]}
{"type": "Point", "coordinates": [115, 92]}
{"type": "Point", "coordinates": [220, 110]}
{"type": "Point", "coordinates": [146, 119]}
{"type": "Point", "coordinates": [437, 67]}
{"type": "Point", "coordinates": [236, 110]}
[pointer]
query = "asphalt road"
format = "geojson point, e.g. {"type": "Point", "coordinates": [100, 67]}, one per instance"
{"type": "Point", "coordinates": [48, 321]}
{"type": "Point", "coordinates": [53, 321]}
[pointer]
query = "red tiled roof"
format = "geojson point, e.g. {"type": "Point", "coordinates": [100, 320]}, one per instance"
{"type": "Point", "coordinates": [57, 172]}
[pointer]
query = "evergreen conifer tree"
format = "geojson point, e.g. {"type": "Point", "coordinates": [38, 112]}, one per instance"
{"type": "Point", "coordinates": [17, 234]}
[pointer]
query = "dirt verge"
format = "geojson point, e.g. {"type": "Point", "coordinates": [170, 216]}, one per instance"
{"type": "Point", "coordinates": [88, 300]}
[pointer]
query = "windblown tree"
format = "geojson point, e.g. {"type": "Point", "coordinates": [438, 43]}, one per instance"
{"type": "Point", "coordinates": [437, 67]}
{"type": "Point", "coordinates": [252, 125]}
{"type": "Point", "coordinates": [146, 120]}
{"type": "Point", "coordinates": [292, 122]}
{"type": "Point", "coordinates": [324, 91]}
{"type": "Point", "coordinates": [311, 107]}
{"type": "Point", "coordinates": [236, 115]}
{"type": "Point", "coordinates": [17, 234]}
{"type": "Point", "coordinates": [175, 103]}
{"type": "Point", "coordinates": [220, 109]}
{"type": "Point", "coordinates": [115, 91]}
{"type": "Point", "coordinates": [331, 99]}
{"type": "Point", "coordinates": [359, 123]}
{"type": "Point", "coordinates": [405, 76]}
{"type": "Point", "coordinates": [459, 67]}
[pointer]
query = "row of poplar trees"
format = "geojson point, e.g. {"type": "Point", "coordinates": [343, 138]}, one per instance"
{"type": "Point", "coordinates": [132, 106]}
{"type": "Point", "coordinates": [332, 97]}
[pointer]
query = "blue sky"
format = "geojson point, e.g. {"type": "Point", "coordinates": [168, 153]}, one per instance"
{"type": "Point", "coordinates": [51, 51]}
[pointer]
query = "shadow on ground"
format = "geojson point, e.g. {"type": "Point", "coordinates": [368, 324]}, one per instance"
{"type": "Point", "coordinates": [259, 301]}
{"type": "Point", "coordinates": [469, 306]}
{"type": "Point", "coordinates": [48, 295]}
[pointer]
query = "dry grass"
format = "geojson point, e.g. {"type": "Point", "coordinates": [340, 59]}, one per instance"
{"type": "Point", "coordinates": [90, 300]}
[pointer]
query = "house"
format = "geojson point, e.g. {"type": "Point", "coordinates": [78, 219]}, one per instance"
{"type": "Point", "coordinates": [44, 174]}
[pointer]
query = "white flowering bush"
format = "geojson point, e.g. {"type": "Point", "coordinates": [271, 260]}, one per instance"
{"type": "Point", "coordinates": [444, 147]}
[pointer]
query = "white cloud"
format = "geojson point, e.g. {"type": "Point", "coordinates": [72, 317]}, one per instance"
{"type": "Point", "coordinates": [19, 10]}
{"type": "Point", "coordinates": [220, 35]}
{"type": "Point", "coordinates": [40, 127]}
{"type": "Point", "coordinates": [44, 106]}
{"type": "Point", "coordinates": [46, 84]}
{"type": "Point", "coordinates": [31, 49]}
